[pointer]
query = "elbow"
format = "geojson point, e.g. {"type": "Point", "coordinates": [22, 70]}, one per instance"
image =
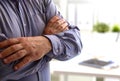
{"type": "Point", "coordinates": [71, 50]}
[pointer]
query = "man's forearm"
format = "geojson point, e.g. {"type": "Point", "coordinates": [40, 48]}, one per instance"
{"type": "Point", "coordinates": [66, 45]}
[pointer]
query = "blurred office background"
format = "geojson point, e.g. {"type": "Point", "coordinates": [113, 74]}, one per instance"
{"type": "Point", "coordinates": [85, 14]}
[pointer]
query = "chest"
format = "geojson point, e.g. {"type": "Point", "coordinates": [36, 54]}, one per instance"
{"type": "Point", "coordinates": [27, 17]}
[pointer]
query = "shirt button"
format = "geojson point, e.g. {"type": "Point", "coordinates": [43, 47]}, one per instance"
{"type": "Point", "coordinates": [57, 51]}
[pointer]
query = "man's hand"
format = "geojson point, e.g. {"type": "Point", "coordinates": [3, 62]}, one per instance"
{"type": "Point", "coordinates": [28, 49]}
{"type": "Point", "coordinates": [56, 25]}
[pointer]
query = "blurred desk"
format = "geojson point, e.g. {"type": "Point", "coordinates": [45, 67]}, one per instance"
{"type": "Point", "coordinates": [72, 67]}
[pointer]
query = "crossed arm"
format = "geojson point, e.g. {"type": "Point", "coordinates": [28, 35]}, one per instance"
{"type": "Point", "coordinates": [30, 49]}
{"type": "Point", "coordinates": [56, 25]}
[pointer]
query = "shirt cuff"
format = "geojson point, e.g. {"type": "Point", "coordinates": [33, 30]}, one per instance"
{"type": "Point", "coordinates": [56, 46]}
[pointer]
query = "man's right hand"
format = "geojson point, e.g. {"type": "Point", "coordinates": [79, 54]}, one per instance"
{"type": "Point", "coordinates": [56, 25]}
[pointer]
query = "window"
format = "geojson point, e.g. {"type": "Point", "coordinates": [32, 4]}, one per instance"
{"type": "Point", "coordinates": [85, 13]}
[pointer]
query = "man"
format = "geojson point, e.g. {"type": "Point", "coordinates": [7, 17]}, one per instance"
{"type": "Point", "coordinates": [33, 35]}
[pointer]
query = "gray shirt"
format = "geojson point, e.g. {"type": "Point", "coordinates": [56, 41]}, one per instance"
{"type": "Point", "coordinates": [29, 18]}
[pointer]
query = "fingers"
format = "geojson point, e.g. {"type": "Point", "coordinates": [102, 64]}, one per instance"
{"type": "Point", "coordinates": [28, 49]}
{"type": "Point", "coordinates": [12, 49]}
{"type": "Point", "coordinates": [54, 19]}
{"type": "Point", "coordinates": [24, 62]}
{"type": "Point", "coordinates": [56, 25]}
{"type": "Point", "coordinates": [18, 55]}
{"type": "Point", "coordinates": [62, 27]}
{"type": "Point", "coordinates": [59, 26]}
{"type": "Point", "coordinates": [8, 42]}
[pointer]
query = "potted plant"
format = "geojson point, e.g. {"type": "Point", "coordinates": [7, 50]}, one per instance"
{"type": "Point", "coordinates": [116, 28]}
{"type": "Point", "coordinates": [101, 27]}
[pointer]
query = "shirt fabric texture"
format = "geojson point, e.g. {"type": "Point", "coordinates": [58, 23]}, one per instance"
{"type": "Point", "coordinates": [26, 18]}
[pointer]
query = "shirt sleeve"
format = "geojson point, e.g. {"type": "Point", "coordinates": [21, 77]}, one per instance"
{"type": "Point", "coordinates": [67, 44]}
